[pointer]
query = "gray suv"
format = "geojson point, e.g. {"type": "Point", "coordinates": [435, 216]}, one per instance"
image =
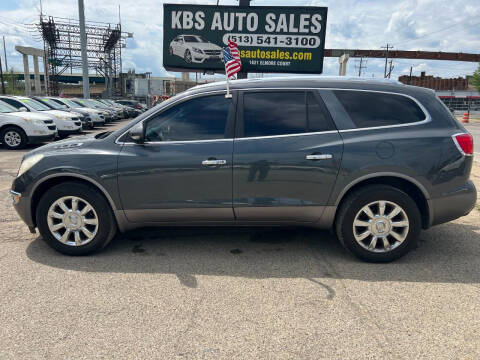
{"type": "Point", "coordinates": [375, 160]}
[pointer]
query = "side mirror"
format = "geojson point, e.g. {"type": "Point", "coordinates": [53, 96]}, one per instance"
{"type": "Point", "coordinates": [22, 109]}
{"type": "Point", "coordinates": [136, 133]}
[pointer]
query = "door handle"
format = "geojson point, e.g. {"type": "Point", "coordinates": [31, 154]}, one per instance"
{"type": "Point", "coordinates": [319, 156]}
{"type": "Point", "coordinates": [213, 162]}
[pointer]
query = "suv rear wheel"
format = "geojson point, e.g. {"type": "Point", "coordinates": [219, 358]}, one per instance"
{"type": "Point", "coordinates": [75, 219]}
{"type": "Point", "coordinates": [378, 223]}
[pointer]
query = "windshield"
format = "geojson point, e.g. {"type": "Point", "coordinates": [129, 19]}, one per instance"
{"type": "Point", "coordinates": [192, 39]}
{"type": "Point", "coordinates": [80, 103]}
{"type": "Point", "coordinates": [97, 103]}
{"type": "Point", "coordinates": [52, 103]}
{"type": "Point", "coordinates": [69, 103]}
{"type": "Point", "coordinates": [6, 108]}
{"type": "Point", "coordinates": [34, 104]}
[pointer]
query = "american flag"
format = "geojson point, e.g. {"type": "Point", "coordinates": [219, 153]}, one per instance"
{"type": "Point", "coordinates": [231, 58]}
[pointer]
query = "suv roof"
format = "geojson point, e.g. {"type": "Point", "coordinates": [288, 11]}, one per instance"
{"type": "Point", "coordinates": [314, 82]}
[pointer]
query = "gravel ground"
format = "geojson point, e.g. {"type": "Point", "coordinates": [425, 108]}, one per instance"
{"type": "Point", "coordinates": [236, 293]}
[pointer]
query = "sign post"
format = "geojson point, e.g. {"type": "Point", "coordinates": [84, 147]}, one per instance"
{"type": "Point", "coordinates": [269, 38]}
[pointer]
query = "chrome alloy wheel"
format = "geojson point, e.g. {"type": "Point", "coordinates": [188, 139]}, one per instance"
{"type": "Point", "coordinates": [72, 221]}
{"type": "Point", "coordinates": [380, 226]}
{"type": "Point", "coordinates": [12, 138]}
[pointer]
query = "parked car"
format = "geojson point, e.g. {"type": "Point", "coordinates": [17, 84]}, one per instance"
{"type": "Point", "coordinates": [123, 110]}
{"type": "Point", "coordinates": [109, 115]}
{"type": "Point", "coordinates": [66, 123]}
{"type": "Point", "coordinates": [84, 117]}
{"type": "Point", "coordinates": [17, 129]}
{"type": "Point", "coordinates": [97, 116]}
{"type": "Point", "coordinates": [117, 112]}
{"type": "Point", "coordinates": [195, 49]}
{"type": "Point", "coordinates": [134, 104]}
{"type": "Point", "coordinates": [376, 160]}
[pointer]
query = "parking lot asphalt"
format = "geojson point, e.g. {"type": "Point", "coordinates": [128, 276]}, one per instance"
{"type": "Point", "coordinates": [236, 293]}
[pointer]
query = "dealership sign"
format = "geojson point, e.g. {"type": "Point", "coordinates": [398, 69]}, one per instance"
{"type": "Point", "coordinates": [269, 38]}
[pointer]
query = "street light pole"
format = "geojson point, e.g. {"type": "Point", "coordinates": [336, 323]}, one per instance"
{"type": "Point", "coordinates": [83, 45]}
{"type": "Point", "coordinates": [243, 74]}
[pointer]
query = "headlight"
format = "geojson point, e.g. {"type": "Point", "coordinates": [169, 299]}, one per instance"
{"type": "Point", "coordinates": [34, 121]}
{"type": "Point", "coordinates": [62, 117]}
{"type": "Point", "coordinates": [197, 50]}
{"type": "Point", "coordinates": [28, 163]}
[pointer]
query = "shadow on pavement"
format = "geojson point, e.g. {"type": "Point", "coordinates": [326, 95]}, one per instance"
{"type": "Point", "coordinates": [448, 253]}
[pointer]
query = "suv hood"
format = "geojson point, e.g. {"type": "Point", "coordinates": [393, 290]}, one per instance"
{"type": "Point", "coordinates": [30, 115]}
{"type": "Point", "coordinates": [61, 113]}
{"type": "Point", "coordinates": [87, 110]}
{"type": "Point", "coordinates": [205, 46]}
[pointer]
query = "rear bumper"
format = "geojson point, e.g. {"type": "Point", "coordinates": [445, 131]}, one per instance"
{"type": "Point", "coordinates": [453, 205]}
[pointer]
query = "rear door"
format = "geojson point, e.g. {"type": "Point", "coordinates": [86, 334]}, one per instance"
{"type": "Point", "coordinates": [287, 153]}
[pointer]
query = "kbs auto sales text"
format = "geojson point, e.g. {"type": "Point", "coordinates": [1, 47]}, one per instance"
{"type": "Point", "coordinates": [241, 21]}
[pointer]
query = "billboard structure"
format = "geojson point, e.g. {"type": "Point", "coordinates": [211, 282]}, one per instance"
{"type": "Point", "coordinates": [269, 38]}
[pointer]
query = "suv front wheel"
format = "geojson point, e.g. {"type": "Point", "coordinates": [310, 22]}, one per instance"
{"type": "Point", "coordinates": [75, 219]}
{"type": "Point", "coordinates": [378, 223]}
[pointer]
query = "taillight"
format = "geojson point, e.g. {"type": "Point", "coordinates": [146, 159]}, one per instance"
{"type": "Point", "coordinates": [138, 107]}
{"type": "Point", "coordinates": [464, 143]}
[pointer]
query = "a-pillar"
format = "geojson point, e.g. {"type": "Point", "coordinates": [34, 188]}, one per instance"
{"type": "Point", "coordinates": [36, 75]}
{"type": "Point", "coordinates": [26, 72]}
{"type": "Point", "coordinates": [342, 71]}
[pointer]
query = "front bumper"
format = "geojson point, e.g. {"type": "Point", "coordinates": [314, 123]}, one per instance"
{"type": "Point", "coordinates": [453, 205]}
{"type": "Point", "coordinates": [36, 139]}
{"type": "Point", "coordinates": [200, 58]}
{"type": "Point", "coordinates": [69, 132]}
{"type": "Point", "coordinates": [22, 207]}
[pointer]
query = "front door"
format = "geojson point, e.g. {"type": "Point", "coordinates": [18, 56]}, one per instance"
{"type": "Point", "coordinates": [183, 172]}
{"type": "Point", "coordinates": [287, 154]}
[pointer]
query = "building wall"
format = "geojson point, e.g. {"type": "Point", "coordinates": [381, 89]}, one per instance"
{"type": "Point", "coordinates": [435, 83]}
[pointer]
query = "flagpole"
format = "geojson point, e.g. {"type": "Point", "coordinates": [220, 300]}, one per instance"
{"type": "Point", "coordinates": [228, 95]}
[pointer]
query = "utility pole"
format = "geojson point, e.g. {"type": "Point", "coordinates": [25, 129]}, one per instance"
{"type": "Point", "coordinates": [391, 67]}
{"type": "Point", "coordinates": [243, 74]}
{"type": "Point", "coordinates": [5, 55]}
{"type": "Point", "coordinates": [83, 44]}
{"type": "Point", "coordinates": [386, 58]}
{"type": "Point", "coordinates": [360, 66]}
{"type": "Point", "coordinates": [1, 76]}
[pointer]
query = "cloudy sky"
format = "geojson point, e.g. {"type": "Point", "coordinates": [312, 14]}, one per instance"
{"type": "Point", "coordinates": [434, 25]}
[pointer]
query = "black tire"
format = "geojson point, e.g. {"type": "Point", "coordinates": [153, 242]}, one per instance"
{"type": "Point", "coordinates": [107, 226]}
{"type": "Point", "coordinates": [14, 130]}
{"type": "Point", "coordinates": [187, 56]}
{"type": "Point", "coordinates": [353, 204]}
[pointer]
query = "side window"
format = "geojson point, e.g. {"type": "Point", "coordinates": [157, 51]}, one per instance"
{"type": "Point", "coordinates": [274, 113]}
{"type": "Point", "coordinates": [12, 102]}
{"type": "Point", "coordinates": [201, 118]}
{"type": "Point", "coordinates": [369, 109]}
{"type": "Point", "coordinates": [318, 118]}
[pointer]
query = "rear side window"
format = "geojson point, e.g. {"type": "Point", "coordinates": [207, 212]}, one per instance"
{"type": "Point", "coordinates": [283, 113]}
{"type": "Point", "coordinates": [370, 109]}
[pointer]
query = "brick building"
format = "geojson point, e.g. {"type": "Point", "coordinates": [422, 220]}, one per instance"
{"type": "Point", "coordinates": [435, 83]}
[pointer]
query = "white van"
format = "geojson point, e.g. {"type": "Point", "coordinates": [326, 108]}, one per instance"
{"type": "Point", "coordinates": [67, 123]}
{"type": "Point", "coordinates": [17, 129]}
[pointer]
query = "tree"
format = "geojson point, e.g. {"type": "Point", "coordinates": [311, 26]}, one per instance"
{"type": "Point", "coordinates": [476, 78]}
